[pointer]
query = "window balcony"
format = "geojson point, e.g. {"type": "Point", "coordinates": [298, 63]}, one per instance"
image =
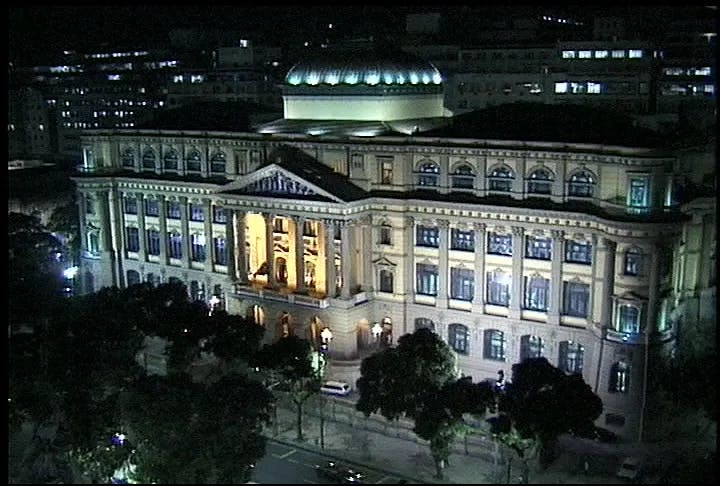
{"type": "Point", "coordinates": [281, 295]}
{"type": "Point", "coordinates": [624, 337]}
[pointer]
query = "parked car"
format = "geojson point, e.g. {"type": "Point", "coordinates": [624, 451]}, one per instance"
{"type": "Point", "coordinates": [335, 388]}
{"type": "Point", "coordinates": [630, 469]}
{"type": "Point", "coordinates": [340, 473]}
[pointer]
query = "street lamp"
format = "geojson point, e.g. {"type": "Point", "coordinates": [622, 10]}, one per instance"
{"type": "Point", "coordinates": [326, 335]}
{"type": "Point", "coordinates": [214, 301]}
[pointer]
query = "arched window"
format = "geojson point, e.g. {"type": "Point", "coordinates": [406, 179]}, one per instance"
{"type": "Point", "coordinates": [281, 273]}
{"type": "Point", "coordinates": [217, 163]}
{"type": "Point", "coordinates": [501, 179]}
{"type": "Point", "coordinates": [531, 347]}
{"type": "Point", "coordinates": [424, 323]}
{"type": "Point", "coordinates": [463, 177]}
{"type": "Point", "coordinates": [571, 357]}
{"type": "Point", "coordinates": [428, 174]}
{"type": "Point", "coordinates": [540, 181]}
{"type": "Point", "coordinates": [193, 161]}
{"type": "Point", "coordinates": [148, 159]}
{"type": "Point", "coordinates": [386, 281]}
{"type": "Point", "coordinates": [494, 345]}
{"type": "Point", "coordinates": [128, 158]}
{"type": "Point", "coordinates": [170, 160]}
{"type": "Point", "coordinates": [619, 377]}
{"type": "Point", "coordinates": [633, 261]}
{"type": "Point", "coordinates": [581, 184]}
{"type": "Point", "coordinates": [133, 277]}
{"type": "Point", "coordinates": [458, 338]}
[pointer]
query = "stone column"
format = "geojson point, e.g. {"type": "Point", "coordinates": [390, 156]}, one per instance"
{"type": "Point", "coordinates": [230, 244]}
{"type": "Point", "coordinates": [142, 236]}
{"type": "Point", "coordinates": [162, 216]}
{"type": "Point", "coordinates": [442, 294]}
{"type": "Point", "coordinates": [346, 259]}
{"type": "Point", "coordinates": [609, 248]}
{"type": "Point", "coordinates": [299, 222]}
{"type": "Point", "coordinates": [516, 296]}
{"type": "Point", "coordinates": [240, 246]}
{"type": "Point", "coordinates": [558, 186]}
{"type": "Point", "coordinates": [410, 257]}
{"type": "Point", "coordinates": [185, 225]}
{"type": "Point", "coordinates": [82, 219]}
{"type": "Point", "coordinates": [367, 254]}
{"type": "Point", "coordinates": [330, 274]}
{"type": "Point", "coordinates": [209, 246]}
{"type": "Point", "coordinates": [270, 248]}
{"type": "Point", "coordinates": [556, 277]}
{"type": "Point", "coordinates": [479, 289]}
{"type": "Point", "coordinates": [653, 284]}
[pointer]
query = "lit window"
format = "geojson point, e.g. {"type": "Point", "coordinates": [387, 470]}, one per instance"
{"type": "Point", "coordinates": [531, 347]}
{"type": "Point", "coordinates": [132, 242]}
{"type": "Point", "coordinates": [173, 210]}
{"type": "Point", "coordinates": [498, 288]}
{"type": "Point", "coordinates": [578, 252]}
{"type": "Point", "coordinates": [220, 257]}
{"type": "Point", "coordinates": [153, 242]}
{"type": "Point", "coordinates": [633, 261]}
{"type": "Point", "coordinates": [427, 236]}
{"type": "Point", "coordinates": [499, 244]}
{"type": "Point", "coordinates": [594, 88]}
{"type": "Point", "coordinates": [601, 54]}
{"type": "Point", "coordinates": [618, 54]}
{"type": "Point", "coordinates": [571, 357]}
{"type": "Point", "coordinates": [197, 248]}
{"type": "Point", "coordinates": [463, 240]}
{"type": "Point", "coordinates": [568, 54]}
{"type": "Point", "coordinates": [638, 192]}
{"type": "Point", "coordinates": [628, 319]}
{"type": "Point", "coordinates": [561, 87]}
{"type": "Point", "coordinates": [619, 377]}
{"type": "Point", "coordinates": [635, 53]}
{"type": "Point", "coordinates": [152, 207]}
{"type": "Point", "coordinates": [581, 184]}
{"type": "Point", "coordinates": [427, 279]}
{"type": "Point", "coordinates": [538, 247]}
{"type": "Point", "coordinates": [494, 345]}
{"type": "Point", "coordinates": [461, 284]}
{"type": "Point", "coordinates": [540, 181]}
{"type": "Point", "coordinates": [458, 338]}
{"type": "Point", "coordinates": [584, 54]}
{"type": "Point", "coordinates": [501, 179]}
{"type": "Point", "coordinates": [175, 245]}
{"type": "Point", "coordinates": [537, 293]}
{"type": "Point", "coordinates": [196, 213]}
{"type": "Point", "coordinates": [576, 299]}
{"type": "Point", "coordinates": [428, 174]}
{"type": "Point", "coordinates": [219, 215]}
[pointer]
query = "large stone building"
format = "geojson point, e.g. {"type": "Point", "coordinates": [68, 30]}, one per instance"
{"type": "Point", "coordinates": [373, 228]}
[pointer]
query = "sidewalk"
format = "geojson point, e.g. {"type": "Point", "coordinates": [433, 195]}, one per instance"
{"type": "Point", "coordinates": [391, 449]}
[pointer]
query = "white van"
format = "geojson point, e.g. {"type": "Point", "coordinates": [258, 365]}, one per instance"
{"type": "Point", "coordinates": [335, 388]}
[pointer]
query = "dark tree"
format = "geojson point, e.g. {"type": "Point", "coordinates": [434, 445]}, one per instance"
{"type": "Point", "coordinates": [291, 358]}
{"type": "Point", "coordinates": [196, 433]}
{"type": "Point", "coordinates": [418, 379]}
{"type": "Point", "coordinates": [541, 403]}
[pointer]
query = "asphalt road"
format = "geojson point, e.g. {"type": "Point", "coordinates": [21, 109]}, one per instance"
{"type": "Point", "coordinates": [284, 464]}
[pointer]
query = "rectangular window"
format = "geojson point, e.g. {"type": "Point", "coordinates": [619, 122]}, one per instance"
{"type": "Point", "coordinates": [357, 162]}
{"type": "Point", "coordinates": [219, 215]}
{"type": "Point", "coordinates": [601, 54]}
{"type": "Point", "coordinates": [197, 248]}
{"type": "Point", "coordinates": [578, 252]}
{"type": "Point", "coordinates": [310, 228]}
{"type": "Point", "coordinates": [498, 288]}
{"type": "Point", "coordinates": [495, 345]}
{"type": "Point", "coordinates": [152, 208]}
{"type": "Point", "coordinates": [635, 53]}
{"type": "Point", "coordinates": [386, 176]}
{"type": "Point", "coordinates": [576, 299]}
{"type": "Point", "coordinates": [385, 235]}
{"type": "Point", "coordinates": [427, 279]}
{"type": "Point", "coordinates": [618, 54]}
{"type": "Point", "coordinates": [537, 293]}
{"type": "Point", "coordinates": [153, 242]}
{"type": "Point", "coordinates": [571, 357]}
{"type": "Point", "coordinates": [132, 239]}
{"type": "Point", "coordinates": [427, 236]}
{"type": "Point", "coordinates": [585, 54]}
{"type": "Point", "coordinates": [499, 244]}
{"type": "Point", "coordinates": [538, 248]}
{"type": "Point", "coordinates": [568, 54]}
{"type": "Point", "coordinates": [130, 205]}
{"type": "Point", "coordinates": [638, 192]}
{"type": "Point", "coordinates": [175, 245]}
{"type": "Point", "coordinates": [463, 240]}
{"type": "Point", "coordinates": [173, 210]}
{"type": "Point", "coordinates": [220, 251]}
{"type": "Point", "coordinates": [196, 213]}
{"type": "Point", "coordinates": [594, 88]}
{"type": "Point", "coordinates": [461, 284]}
{"type": "Point", "coordinates": [561, 87]}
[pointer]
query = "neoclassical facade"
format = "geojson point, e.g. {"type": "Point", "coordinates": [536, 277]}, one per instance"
{"type": "Point", "coordinates": [507, 249]}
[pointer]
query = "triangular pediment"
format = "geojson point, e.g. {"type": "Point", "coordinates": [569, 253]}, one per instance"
{"type": "Point", "coordinates": [383, 261]}
{"type": "Point", "coordinates": [275, 181]}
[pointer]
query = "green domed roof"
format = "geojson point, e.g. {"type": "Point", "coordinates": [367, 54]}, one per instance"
{"type": "Point", "coordinates": [363, 68]}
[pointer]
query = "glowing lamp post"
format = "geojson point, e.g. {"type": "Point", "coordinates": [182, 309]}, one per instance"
{"type": "Point", "coordinates": [326, 336]}
{"type": "Point", "coordinates": [214, 301]}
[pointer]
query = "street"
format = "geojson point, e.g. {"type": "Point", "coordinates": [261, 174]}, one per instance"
{"type": "Point", "coordinates": [284, 464]}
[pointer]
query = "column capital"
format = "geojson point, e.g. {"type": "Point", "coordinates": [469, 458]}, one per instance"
{"type": "Point", "coordinates": [297, 218]}
{"type": "Point", "coordinates": [443, 223]}
{"type": "Point", "coordinates": [268, 216]}
{"type": "Point", "coordinates": [409, 220]}
{"type": "Point", "coordinates": [557, 234]}
{"type": "Point", "coordinates": [518, 230]}
{"type": "Point", "coordinates": [607, 242]}
{"type": "Point", "coordinates": [330, 222]}
{"type": "Point", "coordinates": [479, 226]}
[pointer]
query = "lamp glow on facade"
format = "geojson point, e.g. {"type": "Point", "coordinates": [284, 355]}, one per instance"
{"type": "Point", "coordinates": [376, 330]}
{"type": "Point", "coordinates": [326, 335]}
